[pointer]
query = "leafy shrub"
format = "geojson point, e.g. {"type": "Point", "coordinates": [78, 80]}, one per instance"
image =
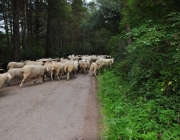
{"type": "Point", "coordinates": [132, 116]}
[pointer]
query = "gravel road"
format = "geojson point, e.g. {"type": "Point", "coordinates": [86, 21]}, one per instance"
{"type": "Point", "coordinates": [58, 110]}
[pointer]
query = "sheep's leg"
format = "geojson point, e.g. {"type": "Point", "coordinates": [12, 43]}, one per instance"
{"type": "Point", "coordinates": [84, 70]}
{"type": "Point", "coordinates": [41, 79]}
{"type": "Point", "coordinates": [51, 75]}
{"type": "Point", "coordinates": [30, 81]}
{"type": "Point", "coordinates": [95, 73]}
{"type": "Point", "coordinates": [110, 65]}
{"type": "Point", "coordinates": [44, 76]}
{"type": "Point", "coordinates": [98, 71]}
{"type": "Point", "coordinates": [25, 76]}
{"type": "Point", "coordinates": [23, 81]}
{"type": "Point", "coordinates": [75, 74]}
{"type": "Point", "coordinates": [8, 82]}
{"type": "Point", "coordinates": [80, 70]}
{"type": "Point", "coordinates": [67, 76]}
{"type": "Point", "coordinates": [61, 73]}
{"type": "Point", "coordinates": [35, 80]}
{"type": "Point", "coordinates": [57, 74]}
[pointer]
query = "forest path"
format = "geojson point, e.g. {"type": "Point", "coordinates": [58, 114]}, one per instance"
{"type": "Point", "coordinates": [58, 110]}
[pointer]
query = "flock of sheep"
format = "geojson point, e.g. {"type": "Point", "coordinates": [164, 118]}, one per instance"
{"type": "Point", "coordinates": [44, 68]}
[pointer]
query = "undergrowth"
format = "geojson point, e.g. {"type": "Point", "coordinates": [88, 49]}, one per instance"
{"type": "Point", "coordinates": [132, 116]}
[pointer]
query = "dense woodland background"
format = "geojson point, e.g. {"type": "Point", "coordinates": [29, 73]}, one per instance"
{"type": "Point", "coordinates": [140, 95]}
{"type": "Point", "coordinates": [32, 29]}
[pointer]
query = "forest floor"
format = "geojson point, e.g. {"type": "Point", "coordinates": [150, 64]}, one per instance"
{"type": "Point", "coordinates": [58, 110]}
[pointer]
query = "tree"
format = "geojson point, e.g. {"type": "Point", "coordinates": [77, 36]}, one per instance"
{"type": "Point", "coordinates": [16, 36]}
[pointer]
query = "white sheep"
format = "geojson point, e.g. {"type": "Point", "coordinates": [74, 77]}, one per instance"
{"type": "Point", "coordinates": [100, 62]}
{"type": "Point", "coordinates": [109, 62]}
{"type": "Point", "coordinates": [34, 63]}
{"type": "Point", "coordinates": [93, 58]}
{"type": "Point", "coordinates": [72, 57]}
{"type": "Point", "coordinates": [71, 67]}
{"type": "Point", "coordinates": [85, 65]}
{"type": "Point", "coordinates": [63, 60]}
{"type": "Point", "coordinates": [31, 71]}
{"type": "Point", "coordinates": [58, 67]}
{"type": "Point", "coordinates": [3, 78]}
{"type": "Point", "coordinates": [94, 68]}
{"type": "Point", "coordinates": [14, 72]}
{"type": "Point", "coordinates": [48, 73]}
{"type": "Point", "coordinates": [15, 65]}
{"type": "Point", "coordinates": [87, 58]}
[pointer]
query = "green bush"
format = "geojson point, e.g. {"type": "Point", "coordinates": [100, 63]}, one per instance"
{"type": "Point", "coordinates": [129, 116]}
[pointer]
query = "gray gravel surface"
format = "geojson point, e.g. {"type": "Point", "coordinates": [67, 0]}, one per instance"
{"type": "Point", "coordinates": [58, 110]}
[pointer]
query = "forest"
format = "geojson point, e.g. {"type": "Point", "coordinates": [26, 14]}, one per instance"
{"type": "Point", "coordinates": [140, 95]}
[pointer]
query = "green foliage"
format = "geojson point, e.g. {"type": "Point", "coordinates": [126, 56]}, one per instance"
{"type": "Point", "coordinates": [35, 49]}
{"type": "Point", "coordinates": [116, 45]}
{"type": "Point", "coordinates": [140, 96]}
{"type": "Point", "coordinates": [134, 118]}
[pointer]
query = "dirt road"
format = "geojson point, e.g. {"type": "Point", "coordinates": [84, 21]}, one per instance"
{"type": "Point", "coordinates": [58, 110]}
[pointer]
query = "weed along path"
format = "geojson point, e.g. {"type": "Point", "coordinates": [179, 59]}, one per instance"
{"type": "Point", "coordinates": [58, 110]}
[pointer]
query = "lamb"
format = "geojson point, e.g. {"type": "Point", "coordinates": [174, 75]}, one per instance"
{"type": "Point", "coordinates": [71, 67]}
{"type": "Point", "coordinates": [94, 68]}
{"type": "Point", "coordinates": [15, 65]}
{"type": "Point", "coordinates": [30, 71]}
{"type": "Point", "coordinates": [3, 78]}
{"type": "Point", "coordinates": [85, 65]}
{"type": "Point", "coordinates": [14, 72]}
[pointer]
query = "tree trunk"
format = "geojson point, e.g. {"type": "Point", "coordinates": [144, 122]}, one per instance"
{"type": "Point", "coordinates": [16, 37]}
{"type": "Point", "coordinates": [6, 27]}
{"type": "Point", "coordinates": [128, 29]}
{"type": "Point", "coordinates": [48, 42]}
{"type": "Point", "coordinates": [24, 29]}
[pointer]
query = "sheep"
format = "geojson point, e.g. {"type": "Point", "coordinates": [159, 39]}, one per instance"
{"type": "Point", "coordinates": [100, 62]}
{"type": "Point", "coordinates": [71, 66]}
{"type": "Point", "coordinates": [87, 58]}
{"type": "Point", "coordinates": [34, 63]}
{"type": "Point", "coordinates": [85, 65]}
{"type": "Point", "coordinates": [94, 68]}
{"type": "Point", "coordinates": [14, 72]}
{"type": "Point", "coordinates": [63, 60]}
{"type": "Point", "coordinates": [15, 65]}
{"type": "Point", "coordinates": [30, 71]}
{"type": "Point", "coordinates": [3, 78]}
{"type": "Point", "coordinates": [48, 65]}
{"type": "Point", "coordinates": [72, 57]}
{"type": "Point", "coordinates": [58, 67]}
{"type": "Point", "coordinates": [109, 62]}
{"type": "Point", "coordinates": [93, 58]}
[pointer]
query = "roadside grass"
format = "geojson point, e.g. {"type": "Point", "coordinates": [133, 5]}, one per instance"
{"type": "Point", "coordinates": [127, 117]}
